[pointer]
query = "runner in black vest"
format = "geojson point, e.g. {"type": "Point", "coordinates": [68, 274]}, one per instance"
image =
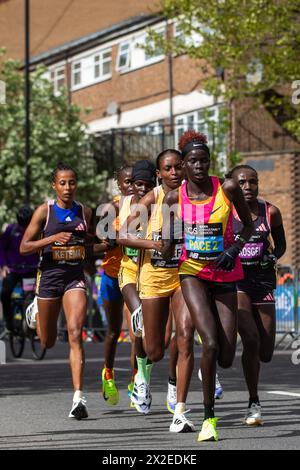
{"type": "Point", "coordinates": [256, 303]}
{"type": "Point", "coordinates": [63, 224]}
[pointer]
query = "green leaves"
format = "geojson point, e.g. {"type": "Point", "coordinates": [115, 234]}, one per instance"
{"type": "Point", "coordinates": [57, 134]}
{"type": "Point", "coordinates": [236, 34]}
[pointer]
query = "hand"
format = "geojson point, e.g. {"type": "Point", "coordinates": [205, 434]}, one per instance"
{"type": "Point", "coordinates": [268, 261]}
{"type": "Point", "coordinates": [157, 245]}
{"type": "Point", "coordinates": [226, 260]}
{"type": "Point", "coordinates": [62, 237]}
{"type": "Point", "coordinates": [111, 243]}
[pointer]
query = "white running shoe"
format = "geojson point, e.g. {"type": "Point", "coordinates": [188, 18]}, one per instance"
{"type": "Point", "coordinates": [218, 390]}
{"type": "Point", "coordinates": [79, 409]}
{"type": "Point", "coordinates": [137, 322]}
{"type": "Point", "coordinates": [171, 398]}
{"type": "Point", "coordinates": [253, 415]}
{"type": "Point", "coordinates": [141, 396]}
{"type": "Point", "coordinates": [30, 314]}
{"type": "Point", "coordinates": [180, 423]}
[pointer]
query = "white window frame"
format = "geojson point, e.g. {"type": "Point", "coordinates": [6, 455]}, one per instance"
{"type": "Point", "coordinates": [126, 66]}
{"type": "Point", "coordinates": [182, 125]}
{"type": "Point", "coordinates": [57, 74]}
{"type": "Point", "coordinates": [151, 128]}
{"type": "Point", "coordinates": [100, 63]}
{"type": "Point", "coordinates": [74, 71]}
{"type": "Point", "coordinates": [195, 39]}
{"type": "Point", "coordinates": [137, 56]}
{"type": "Point", "coordinates": [88, 66]}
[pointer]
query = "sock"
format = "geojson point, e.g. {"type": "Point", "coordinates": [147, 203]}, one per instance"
{"type": "Point", "coordinates": [172, 381]}
{"type": "Point", "coordinates": [142, 372]}
{"type": "Point", "coordinates": [179, 408]}
{"type": "Point", "coordinates": [253, 400]}
{"type": "Point", "coordinates": [209, 411]}
{"type": "Point", "coordinates": [109, 374]}
{"type": "Point", "coordinates": [149, 367]}
{"type": "Point", "coordinates": [77, 395]}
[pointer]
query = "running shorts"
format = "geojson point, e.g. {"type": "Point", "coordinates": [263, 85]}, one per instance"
{"type": "Point", "coordinates": [54, 283]}
{"type": "Point", "coordinates": [260, 292]}
{"type": "Point", "coordinates": [162, 283]}
{"type": "Point", "coordinates": [127, 276]}
{"type": "Point", "coordinates": [214, 288]}
{"type": "Point", "coordinates": [109, 289]}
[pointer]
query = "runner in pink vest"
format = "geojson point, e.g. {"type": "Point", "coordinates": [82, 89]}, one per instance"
{"type": "Point", "coordinates": [209, 266]}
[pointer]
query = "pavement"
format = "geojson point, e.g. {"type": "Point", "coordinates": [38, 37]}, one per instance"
{"type": "Point", "coordinates": [36, 397]}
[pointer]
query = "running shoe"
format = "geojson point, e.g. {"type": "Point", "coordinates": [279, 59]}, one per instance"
{"type": "Point", "coordinates": [253, 415]}
{"type": "Point", "coordinates": [209, 430]}
{"type": "Point", "coordinates": [141, 396]}
{"type": "Point", "coordinates": [79, 409]}
{"type": "Point", "coordinates": [180, 423]}
{"type": "Point", "coordinates": [218, 390]}
{"type": "Point", "coordinates": [171, 399]}
{"type": "Point", "coordinates": [137, 322]}
{"type": "Point", "coordinates": [30, 314]}
{"type": "Point", "coordinates": [109, 390]}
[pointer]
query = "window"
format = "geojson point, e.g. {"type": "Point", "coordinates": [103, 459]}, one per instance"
{"type": "Point", "coordinates": [123, 61]}
{"type": "Point", "coordinates": [132, 54]}
{"type": "Point", "coordinates": [102, 64]}
{"type": "Point", "coordinates": [91, 69]}
{"type": "Point", "coordinates": [57, 77]}
{"type": "Point", "coordinates": [156, 52]}
{"type": "Point", "coordinates": [154, 128]}
{"type": "Point", "coordinates": [76, 73]}
{"type": "Point", "coordinates": [191, 39]}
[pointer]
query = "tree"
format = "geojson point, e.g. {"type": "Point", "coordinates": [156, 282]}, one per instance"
{"type": "Point", "coordinates": [250, 46]}
{"type": "Point", "coordinates": [57, 134]}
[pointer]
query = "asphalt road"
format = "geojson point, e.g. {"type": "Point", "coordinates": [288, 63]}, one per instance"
{"type": "Point", "coordinates": [35, 399]}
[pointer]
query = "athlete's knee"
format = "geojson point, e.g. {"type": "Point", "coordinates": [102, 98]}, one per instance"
{"type": "Point", "coordinates": [210, 346]}
{"type": "Point", "coordinates": [266, 356]}
{"type": "Point", "coordinates": [75, 334]}
{"type": "Point", "coordinates": [155, 354]}
{"type": "Point", "coordinates": [185, 341]}
{"type": "Point", "coordinates": [226, 361]}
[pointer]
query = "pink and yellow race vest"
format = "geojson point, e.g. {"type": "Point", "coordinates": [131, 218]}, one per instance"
{"type": "Point", "coordinates": [208, 232]}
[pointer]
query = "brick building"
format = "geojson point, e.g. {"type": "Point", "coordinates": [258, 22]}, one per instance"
{"type": "Point", "coordinates": [141, 103]}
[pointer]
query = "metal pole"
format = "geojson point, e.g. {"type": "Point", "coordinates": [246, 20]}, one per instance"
{"type": "Point", "coordinates": [171, 115]}
{"type": "Point", "coordinates": [27, 101]}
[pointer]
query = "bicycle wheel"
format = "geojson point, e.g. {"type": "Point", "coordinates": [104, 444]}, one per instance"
{"type": "Point", "coordinates": [17, 336]}
{"type": "Point", "coordinates": [38, 351]}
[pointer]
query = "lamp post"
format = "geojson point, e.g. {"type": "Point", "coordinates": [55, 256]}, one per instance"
{"type": "Point", "coordinates": [27, 100]}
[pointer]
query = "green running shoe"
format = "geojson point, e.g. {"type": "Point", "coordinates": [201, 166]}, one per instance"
{"type": "Point", "coordinates": [109, 390]}
{"type": "Point", "coordinates": [209, 430]}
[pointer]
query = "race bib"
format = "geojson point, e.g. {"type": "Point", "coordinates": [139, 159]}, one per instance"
{"type": "Point", "coordinates": [156, 259]}
{"type": "Point", "coordinates": [132, 253]}
{"type": "Point", "coordinates": [252, 253]}
{"type": "Point", "coordinates": [68, 253]}
{"type": "Point", "coordinates": [204, 242]}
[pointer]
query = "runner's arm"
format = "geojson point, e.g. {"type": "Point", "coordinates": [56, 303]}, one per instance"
{"type": "Point", "coordinates": [128, 232]}
{"type": "Point", "coordinates": [277, 232]}
{"type": "Point", "coordinates": [168, 236]}
{"type": "Point", "coordinates": [30, 243]}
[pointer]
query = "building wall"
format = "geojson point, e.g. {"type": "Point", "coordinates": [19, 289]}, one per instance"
{"type": "Point", "coordinates": [278, 180]}
{"type": "Point", "coordinates": [139, 87]}
{"type": "Point", "coordinates": [58, 21]}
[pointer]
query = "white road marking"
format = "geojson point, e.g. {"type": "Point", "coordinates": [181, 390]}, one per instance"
{"type": "Point", "coordinates": [289, 394]}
